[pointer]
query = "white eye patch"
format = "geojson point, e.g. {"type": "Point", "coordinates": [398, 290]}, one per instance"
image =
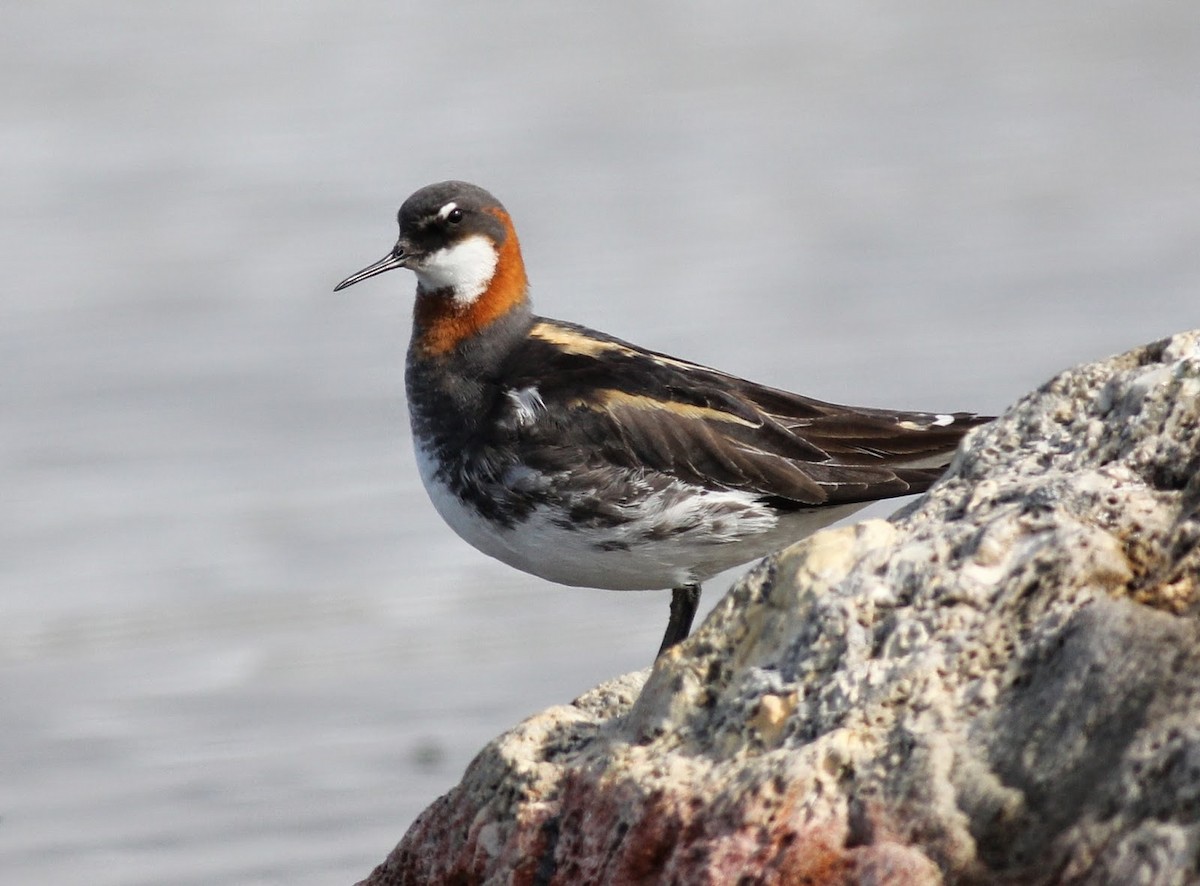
{"type": "Point", "coordinates": [445, 211]}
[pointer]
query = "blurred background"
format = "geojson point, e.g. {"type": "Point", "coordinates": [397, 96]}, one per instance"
{"type": "Point", "coordinates": [236, 643]}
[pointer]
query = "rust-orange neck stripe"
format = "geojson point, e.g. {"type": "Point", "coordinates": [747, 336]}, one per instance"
{"type": "Point", "coordinates": [440, 323]}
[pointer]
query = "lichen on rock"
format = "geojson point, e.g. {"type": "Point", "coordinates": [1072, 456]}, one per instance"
{"type": "Point", "coordinates": [1001, 684]}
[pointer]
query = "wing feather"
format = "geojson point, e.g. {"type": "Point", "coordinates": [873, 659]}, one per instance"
{"type": "Point", "coordinates": [607, 401]}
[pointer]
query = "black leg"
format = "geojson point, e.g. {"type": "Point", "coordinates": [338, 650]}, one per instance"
{"type": "Point", "coordinates": [684, 602]}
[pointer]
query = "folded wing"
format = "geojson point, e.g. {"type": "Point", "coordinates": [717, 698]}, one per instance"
{"type": "Point", "coordinates": [619, 404]}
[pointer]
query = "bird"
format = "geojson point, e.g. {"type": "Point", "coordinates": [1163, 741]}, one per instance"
{"type": "Point", "coordinates": [592, 462]}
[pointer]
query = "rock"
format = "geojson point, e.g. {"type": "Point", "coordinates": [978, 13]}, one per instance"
{"type": "Point", "coordinates": [1002, 684]}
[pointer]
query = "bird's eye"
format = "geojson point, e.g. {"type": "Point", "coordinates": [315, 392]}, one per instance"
{"type": "Point", "coordinates": [455, 216]}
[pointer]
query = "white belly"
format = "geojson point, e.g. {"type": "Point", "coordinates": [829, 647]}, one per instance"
{"type": "Point", "coordinates": [624, 557]}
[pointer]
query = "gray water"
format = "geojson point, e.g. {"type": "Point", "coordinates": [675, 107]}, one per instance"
{"type": "Point", "coordinates": [236, 644]}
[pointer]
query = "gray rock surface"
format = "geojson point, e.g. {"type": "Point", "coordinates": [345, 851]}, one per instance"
{"type": "Point", "coordinates": [1001, 685]}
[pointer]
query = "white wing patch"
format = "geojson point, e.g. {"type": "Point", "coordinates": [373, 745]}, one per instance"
{"type": "Point", "coordinates": [527, 404]}
{"type": "Point", "coordinates": [940, 420]}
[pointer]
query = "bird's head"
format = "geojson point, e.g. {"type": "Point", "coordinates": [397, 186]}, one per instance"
{"type": "Point", "coordinates": [460, 242]}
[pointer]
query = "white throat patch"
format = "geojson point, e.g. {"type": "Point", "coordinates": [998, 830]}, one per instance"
{"type": "Point", "coordinates": [466, 268]}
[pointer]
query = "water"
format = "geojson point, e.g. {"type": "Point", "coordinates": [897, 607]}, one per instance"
{"type": "Point", "coordinates": [236, 643]}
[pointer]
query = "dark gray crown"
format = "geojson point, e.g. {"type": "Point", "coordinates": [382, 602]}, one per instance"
{"type": "Point", "coordinates": [423, 220]}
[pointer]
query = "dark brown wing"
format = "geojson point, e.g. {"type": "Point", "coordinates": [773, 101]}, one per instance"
{"type": "Point", "coordinates": [634, 408]}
